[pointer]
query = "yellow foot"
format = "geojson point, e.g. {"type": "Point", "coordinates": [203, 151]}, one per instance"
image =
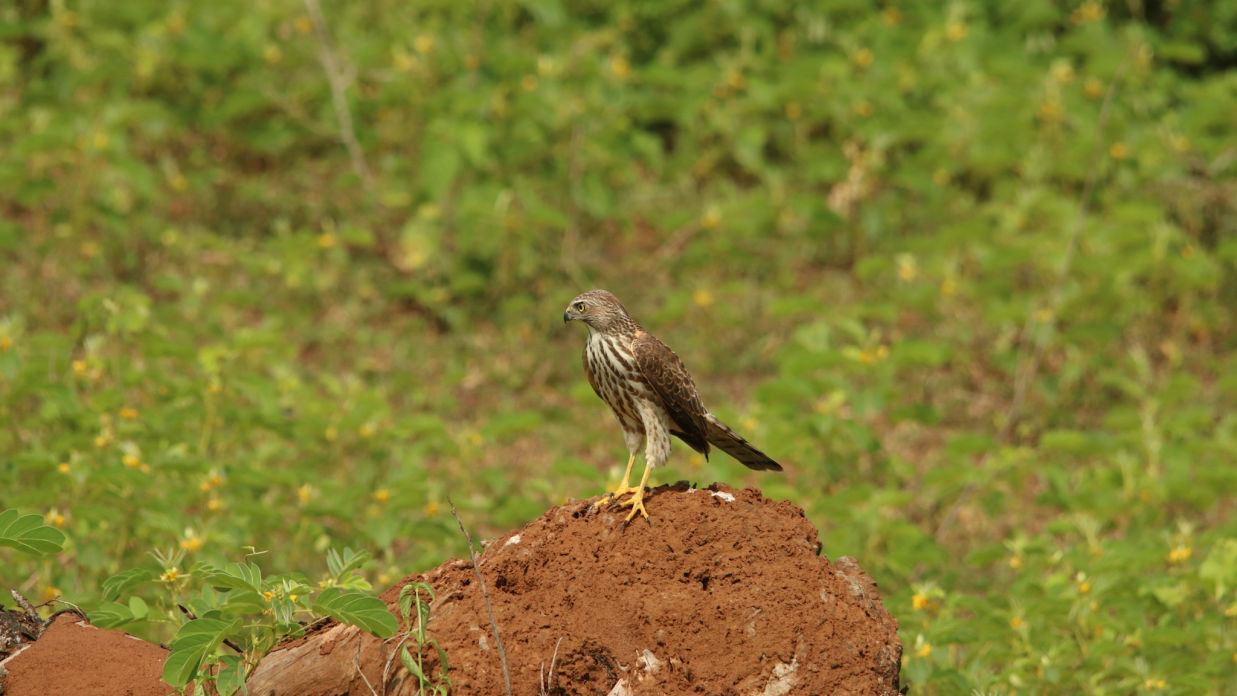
{"type": "Point", "coordinates": [636, 503]}
{"type": "Point", "coordinates": [611, 497]}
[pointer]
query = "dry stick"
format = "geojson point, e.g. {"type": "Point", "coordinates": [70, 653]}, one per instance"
{"type": "Point", "coordinates": [193, 617]}
{"type": "Point", "coordinates": [339, 96]}
{"type": "Point", "coordinates": [552, 661]}
{"type": "Point", "coordinates": [502, 654]}
{"type": "Point", "coordinates": [361, 671]}
{"type": "Point", "coordinates": [1027, 375]}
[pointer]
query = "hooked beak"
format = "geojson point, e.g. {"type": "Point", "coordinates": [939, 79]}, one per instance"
{"type": "Point", "coordinates": [567, 316]}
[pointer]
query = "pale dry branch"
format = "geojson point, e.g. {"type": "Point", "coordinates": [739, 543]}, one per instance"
{"type": "Point", "coordinates": [339, 94]}
{"type": "Point", "coordinates": [472, 555]}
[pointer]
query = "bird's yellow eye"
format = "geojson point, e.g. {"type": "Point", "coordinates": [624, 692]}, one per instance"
{"type": "Point", "coordinates": [580, 307]}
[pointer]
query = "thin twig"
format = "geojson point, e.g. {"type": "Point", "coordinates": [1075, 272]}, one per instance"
{"type": "Point", "coordinates": [359, 670]}
{"type": "Point", "coordinates": [553, 659]}
{"type": "Point", "coordinates": [1027, 375]}
{"type": "Point", "coordinates": [339, 94]}
{"type": "Point", "coordinates": [193, 617]}
{"type": "Point", "coordinates": [386, 669]}
{"type": "Point", "coordinates": [472, 555]}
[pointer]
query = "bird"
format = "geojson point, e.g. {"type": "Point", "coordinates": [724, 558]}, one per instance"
{"type": "Point", "coordinates": [651, 393]}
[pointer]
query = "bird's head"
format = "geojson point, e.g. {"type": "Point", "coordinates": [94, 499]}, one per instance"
{"type": "Point", "coordinates": [598, 309]}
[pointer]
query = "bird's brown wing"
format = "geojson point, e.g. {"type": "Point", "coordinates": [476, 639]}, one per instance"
{"type": "Point", "coordinates": [669, 380]}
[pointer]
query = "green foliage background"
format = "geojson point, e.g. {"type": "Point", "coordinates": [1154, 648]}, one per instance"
{"type": "Point", "coordinates": [867, 227]}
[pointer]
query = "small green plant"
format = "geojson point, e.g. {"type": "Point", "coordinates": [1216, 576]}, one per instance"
{"type": "Point", "coordinates": [28, 534]}
{"type": "Point", "coordinates": [238, 607]}
{"type": "Point", "coordinates": [418, 596]}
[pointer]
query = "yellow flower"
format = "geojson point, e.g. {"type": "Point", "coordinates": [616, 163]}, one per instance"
{"type": "Point", "coordinates": [1119, 151]}
{"type": "Point", "coordinates": [102, 440]}
{"type": "Point", "coordinates": [305, 493]}
{"type": "Point", "coordinates": [956, 31]}
{"type": "Point", "coordinates": [382, 495]}
{"type": "Point", "coordinates": [170, 575]}
{"type": "Point", "coordinates": [1015, 562]}
{"type": "Point", "coordinates": [292, 597]}
{"type": "Point", "coordinates": [63, 467]}
{"type": "Point", "coordinates": [214, 387]}
{"type": "Point", "coordinates": [1154, 684]}
{"type": "Point", "coordinates": [366, 430]}
{"type": "Point", "coordinates": [1050, 110]}
{"type": "Point", "coordinates": [711, 219]}
{"type": "Point", "coordinates": [949, 287]}
{"type": "Point", "coordinates": [50, 593]}
{"type": "Point", "coordinates": [384, 578]}
{"type": "Point", "coordinates": [54, 518]}
{"type": "Point", "coordinates": [919, 602]}
{"type": "Point", "coordinates": [1180, 554]}
{"type": "Point", "coordinates": [191, 543]}
{"type": "Point", "coordinates": [702, 297]}
{"type": "Point", "coordinates": [1016, 622]}
{"type": "Point", "coordinates": [1094, 89]}
{"type": "Point", "coordinates": [132, 461]}
{"type": "Point", "coordinates": [326, 240]}
{"type": "Point", "coordinates": [864, 57]}
{"type": "Point", "coordinates": [1089, 11]}
{"type": "Point", "coordinates": [5, 343]}
{"type": "Point", "coordinates": [79, 367]}
{"type": "Point", "coordinates": [129, 413]}
{"type": "Point", "coordinates": [1084, 587]}
{"type": "Point", "coordinates": [423, 44]}
{"type": "Point", "coordinates": [331, 433]}
{"type": "Point", "coordinates": [268, 595]}
{"type": "Point", "coordinates": [214, 504]}
{"type": "Point", "coordinates": [430, 509]}
{"type": "Point", "coordinates": [304, 25]}
{"type": "Point", "coordinates": [924, 650]}
{"type": "Point", "coordinates": [1062, 72]}
{"type": "Point", "coordinates": [620, 68]}
{"type": "Point", "coordinates": [403, 61]}
{"type": "Point", "coordinates": [907, 269]}
{"type": "Point", "coordinates": [794, 110]}
{"type": "Point", "coordinates": [271, 54]}
{"type": "Point", "coordinates": [99, 141]}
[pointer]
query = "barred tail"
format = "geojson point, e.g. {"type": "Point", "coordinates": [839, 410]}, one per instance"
{"type": "Point", "coordinates": [723, 438]}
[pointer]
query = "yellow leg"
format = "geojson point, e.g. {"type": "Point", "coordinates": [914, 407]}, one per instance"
{"type": "Point", "coordinates": [624, 487]}
{"type": "Point", "coordinates": [636, 501]}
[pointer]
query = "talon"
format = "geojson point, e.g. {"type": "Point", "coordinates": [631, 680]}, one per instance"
{"type": "Point", "coordinates": [610, 499]}
{"type": "Point", "coordinates": [636, 502]}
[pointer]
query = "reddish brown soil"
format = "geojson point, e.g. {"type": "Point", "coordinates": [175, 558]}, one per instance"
{"type": "Point", "coordinates": [724, 594]}
{"type": "Point", "coordinates": [718, 596]}
{"type": "Point", "coordinates": [73, 657]}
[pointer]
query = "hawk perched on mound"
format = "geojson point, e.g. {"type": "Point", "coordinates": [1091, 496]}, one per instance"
{"type": "Point", "coordinates": [652, 395]}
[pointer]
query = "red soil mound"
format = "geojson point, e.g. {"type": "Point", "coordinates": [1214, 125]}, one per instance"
{"type": "Point", "coordinates": [725, 593]}
{"type": "Point", "coordinates": [73, 658]}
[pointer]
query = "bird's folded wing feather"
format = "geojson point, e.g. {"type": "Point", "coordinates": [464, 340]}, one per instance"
{"type": "Point", "coordinates": [669, 380]}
